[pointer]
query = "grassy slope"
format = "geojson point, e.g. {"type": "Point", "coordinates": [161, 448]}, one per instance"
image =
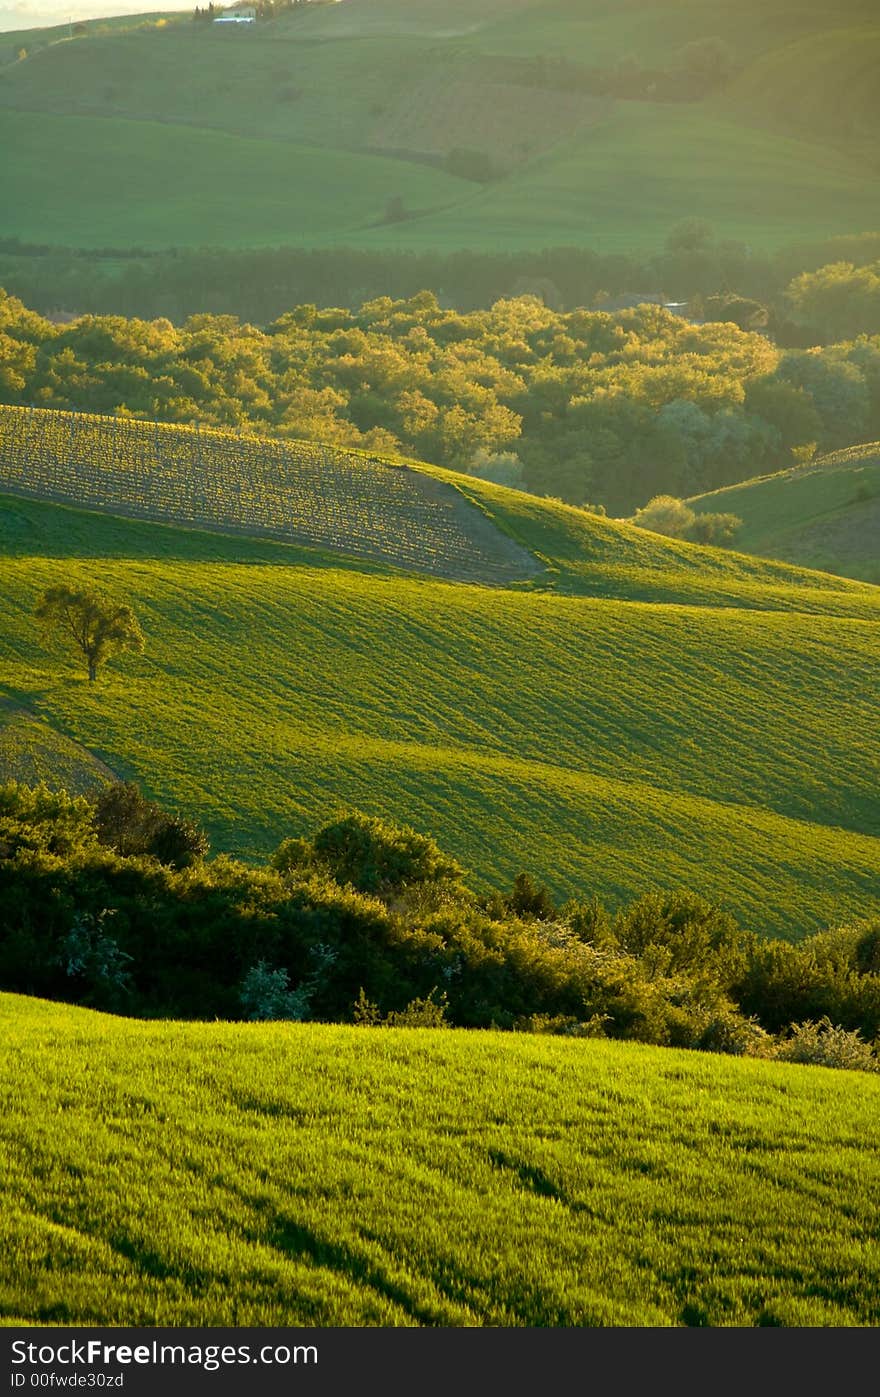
{"type": "Point", "coordinates": [285, 1175]}
{"type": "Point", "coordinates": [589, 556]}
{"type": "Point", "coordinates": [32, 751]}
{"type": "Point", "coordinates": [822, 81]}
{"type": "Point", "coordinates": [610, 745]}
{"type": "Point", "coordinates": [826, 515]}
{"type": "Point", "coordinates": [626, 181]}
{"type": "Point", "coordinates": [345, 78]}
{"type": "Point", "coordinates": [88, 182]}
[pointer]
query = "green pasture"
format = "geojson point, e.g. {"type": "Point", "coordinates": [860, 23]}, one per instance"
{"type": "Point", "coordinates": [217, 1174]}
{"type": "Point", "coordinates": [825, 515]}
{"type": "Point", "coordinates": [625, 182]}
{"type": "Point", "coordinates": [590, 31]}
{"type": "Point", "coordinates": [821, 83]}
{"type": "Point", "coordinates": [607, 745]}
{"type": "Point", "coordinates": [302, 131]}
{"type": "Point", "coordinates": [31, 751]}
{"type": "Point", "coordinates": [87, 182]}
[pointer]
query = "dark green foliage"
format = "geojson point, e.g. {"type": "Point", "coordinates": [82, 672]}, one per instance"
{"type": "Point", "coordinates": [832, 975]}
{"type": "Point", "coordinates": [125, 820]}
{"type": "Point", "coordinates": [178, 841]}
{"type": "Point", "coordinates": [528, 899]}
{"type": "Point", "coordinates": [680, 933]}
{"type": "Point", "coordinates": [375, 856]}
{"type": "Point", "coordinates": [82, 922]}
{"type": "Point", "coordinates": [748, 314]}
{"type": "Point", "coordinates": [92, 959]}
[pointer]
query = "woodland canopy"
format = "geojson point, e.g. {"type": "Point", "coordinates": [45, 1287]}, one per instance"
{"type": "Point", "coordinates": [590, 406]}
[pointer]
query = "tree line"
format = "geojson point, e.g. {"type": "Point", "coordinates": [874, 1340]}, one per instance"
{"type": "Point", "coordinates": [110, 902]}
{"type": "Point", "coordinates": [591, 406]}
{"type": "Point", "coordinates": [259, 284]}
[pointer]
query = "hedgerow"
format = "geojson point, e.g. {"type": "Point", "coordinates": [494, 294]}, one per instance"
{"type": "Point", "coordinates": [298, 939]}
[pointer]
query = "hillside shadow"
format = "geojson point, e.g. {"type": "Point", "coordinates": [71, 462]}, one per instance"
{"type": "Point", "coordinates": [21, 701]}
{"type": "Point", "coordinates": [31, 528]}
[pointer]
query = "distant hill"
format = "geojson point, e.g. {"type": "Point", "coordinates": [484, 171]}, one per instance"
{"type": "Point", "coordinates": [824, 515]}
{"type": "Point", "coordinates": [497, 123]}
{"type": "Point", "coordinates": [636, 713]}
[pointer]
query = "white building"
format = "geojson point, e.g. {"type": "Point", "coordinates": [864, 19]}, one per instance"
{"type": "Point", "coordinates": [243, 15]}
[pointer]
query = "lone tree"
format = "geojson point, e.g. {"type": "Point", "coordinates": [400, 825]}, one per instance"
{"type": "Point", "coordinates": [98, 627]}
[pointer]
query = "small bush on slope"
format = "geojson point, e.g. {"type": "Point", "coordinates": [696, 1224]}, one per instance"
{"type": "Point", "coordinates": [824, 1045]}
{"type": "Point", "coordinates": [665, 514]}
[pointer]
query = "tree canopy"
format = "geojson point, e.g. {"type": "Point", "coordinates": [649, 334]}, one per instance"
{"type": "Point", "coordinates": [96, 626]}
{"type": "Point", "coordinates": [610, 408]}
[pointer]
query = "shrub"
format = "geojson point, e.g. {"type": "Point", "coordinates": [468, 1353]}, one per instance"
{"type": "Point", "coordinates": [37, 818]}
{"type": "Point", "coordinates": [529, 899]}
{"type": "Point", "coordinates": [266, 994]}
{"type": "Point", "coordinates": [125, 820]}
{"type": "Point", "coordinates": [500, 467]}
{"type": "Point", "coordinates": [476, 165]}
{"type": "Point", "coordinates": [665, 514]}
{"type": "Point", "coordinates": [419, 1013]}
{"type": "Point", "coordinates": [824, 1044]}
{"type": "Point", "coordinates": [832, 974]}
{"type": "Point", "coordinates": [93, 958]}
{"type": "Point", "coordinates": [716, 529]}
{"type": "Point", "coordinates": [680, 933]}
{"type": "Point", "coordinates": [375, 856]}
{"type": "Point", "coordinates": [293, 856]}
{"type": "Point", "coordinates": [711, 1024]}
{"type": "Point", "coordinates": [178, 842]}
{"type": "Point", "coordinates": [564, 1025]}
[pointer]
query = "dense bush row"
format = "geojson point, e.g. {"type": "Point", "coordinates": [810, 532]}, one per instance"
{"type": "Point", "coordinates": [591, 406]}
{"type": "Point", "coordinates": [111, 904]}
{"type": "Point", "coordinates": [259, 284]}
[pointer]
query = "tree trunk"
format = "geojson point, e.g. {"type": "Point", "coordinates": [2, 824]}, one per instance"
{"type": "Point", "coordinates": [93, 670]}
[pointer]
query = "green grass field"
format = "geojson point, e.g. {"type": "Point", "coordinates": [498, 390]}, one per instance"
{"type": "Point", "coordinates": [624, 182]}
{"type": "Point", "coordinates": [146, 184]}
{"type": "Point", "coordinates": [536, 687]}
{"type": "Point", "coordinates": [825, 515]}
{"type": "Point", "coordinates": [32, 751]}
{"type": "Point", "coordinates": [183, 135]}
{"type": "Point", "coordinates": [643, 714]}
{"type": "Point", "coordinates": [214, 1174]}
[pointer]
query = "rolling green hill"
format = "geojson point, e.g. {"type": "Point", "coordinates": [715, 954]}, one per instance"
{"type": "Point", "coordinates": [32, 751]}
{"type": "Point", "coordinates": [349, 1176]}
{"type": "Point", "coordinates": [641, 714]}
{"type": "Point", "coordinates": [823, 83]}
{"type": "Point", "coordinates": [824, 515]}
{"type": "Point", "coordinates": [341, 124]}
{"type": "Point", "coordinates": [347, 502]}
